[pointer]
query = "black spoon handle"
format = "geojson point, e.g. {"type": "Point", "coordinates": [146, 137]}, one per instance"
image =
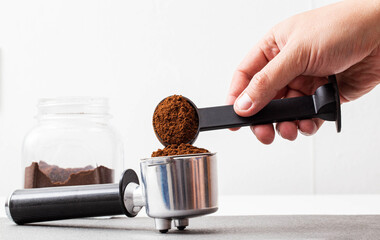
{"type": "Point", "coordinates": [323, 104]}
{"type": "Point", "coordinates": [276, 111]}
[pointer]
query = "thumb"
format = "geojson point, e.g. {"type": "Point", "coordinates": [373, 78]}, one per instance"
{"type": "Point", "coordinates": [265, 84]}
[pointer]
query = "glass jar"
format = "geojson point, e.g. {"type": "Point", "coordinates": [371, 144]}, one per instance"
{"type": "Point", "coordinates": [72, 144]}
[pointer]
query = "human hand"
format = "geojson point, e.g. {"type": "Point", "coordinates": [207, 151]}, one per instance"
{"type": "Point", "coordinates": [295, 56]}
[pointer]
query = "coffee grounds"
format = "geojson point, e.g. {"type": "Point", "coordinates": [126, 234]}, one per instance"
{"type": "Point", "coordinates": [175, 120]}
{"type": "Point", "coordinates": [178, 149]}
{"type": "Point", "coordinates": [41, 174]}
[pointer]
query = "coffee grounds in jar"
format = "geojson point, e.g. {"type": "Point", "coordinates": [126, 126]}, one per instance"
{"type": "Point", "coordinates": [175, 120]}
{"type": "Point", "coordinates": [178, 149]}
{"type": "Point", "coordinates": [41, 174]}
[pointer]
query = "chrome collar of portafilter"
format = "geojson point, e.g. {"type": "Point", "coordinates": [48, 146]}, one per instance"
{"type": "Point", "coordinates": [7, 210]}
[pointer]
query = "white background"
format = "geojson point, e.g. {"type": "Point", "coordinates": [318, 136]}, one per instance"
{"type": "Point", "coordinates": [138, 52]}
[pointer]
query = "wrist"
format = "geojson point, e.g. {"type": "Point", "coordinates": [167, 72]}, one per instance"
{"type": "Point", "coordinates": [367, 12]}
{"type": "Point", "coordinates": [376, 11]}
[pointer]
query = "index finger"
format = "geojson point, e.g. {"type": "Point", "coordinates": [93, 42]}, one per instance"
{"type": "Point", "coordinates": [254, 61]}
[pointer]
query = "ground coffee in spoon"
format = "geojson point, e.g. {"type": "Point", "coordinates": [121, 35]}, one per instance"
{"type": "Point", "coordinates": [175, 120]}
{"type": "Point", "coordinates": [178, 149]}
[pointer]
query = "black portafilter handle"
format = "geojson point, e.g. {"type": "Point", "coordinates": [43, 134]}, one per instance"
{"type": "Point", "coordinates": [323, 104]}
{"type": "Point", "coordinates": [57, 203]}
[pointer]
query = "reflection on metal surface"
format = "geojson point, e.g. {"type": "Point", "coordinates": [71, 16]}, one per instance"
{"type": "Point", "coordinates": [7, 210]}
{"type": "Point", "coordinates": [180, 186]}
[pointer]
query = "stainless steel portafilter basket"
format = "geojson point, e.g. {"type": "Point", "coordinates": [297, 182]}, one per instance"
{"type": "Point", "coordinates": [174, 188]}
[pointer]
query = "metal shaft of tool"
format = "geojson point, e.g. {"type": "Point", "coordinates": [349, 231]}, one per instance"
{"type": "Point", "coordinates": [56, 203]}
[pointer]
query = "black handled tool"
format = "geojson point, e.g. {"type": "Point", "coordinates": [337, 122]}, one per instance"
{"type": "Point", "coordinates": [323, 104]}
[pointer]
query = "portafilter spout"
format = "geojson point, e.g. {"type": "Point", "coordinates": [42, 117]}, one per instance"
{"type": "Point", "coordinates": [323, 104]}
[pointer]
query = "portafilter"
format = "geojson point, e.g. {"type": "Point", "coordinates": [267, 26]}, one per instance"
{"type": "Point", "coordinates": [174, 188]}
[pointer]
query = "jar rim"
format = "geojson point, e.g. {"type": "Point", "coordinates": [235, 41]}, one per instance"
{"type": "Point", "coordinates": [45, 102]}
{"type": "Point", "coordinates": [73, 105]}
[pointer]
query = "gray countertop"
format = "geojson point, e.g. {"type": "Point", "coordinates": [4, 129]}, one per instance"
{"type": "Point", "coordinates": [209, 227]}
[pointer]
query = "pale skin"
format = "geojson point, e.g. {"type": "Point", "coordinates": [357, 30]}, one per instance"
{"type": "Point", "coordinates": [294, 58]}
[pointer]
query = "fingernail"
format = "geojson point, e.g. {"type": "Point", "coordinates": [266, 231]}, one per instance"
{"type": "Point", "coordinates": [244, 102]}
{"type": "Point", "coordinates": [304, 133]}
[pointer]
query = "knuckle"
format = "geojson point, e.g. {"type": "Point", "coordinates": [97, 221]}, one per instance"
{"type": "Point", "coordinates": [241, 73]}
{"type": "Point", "coordinates": [269, 47]}
{"type": "Point", "coordinates": [261, 82]}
